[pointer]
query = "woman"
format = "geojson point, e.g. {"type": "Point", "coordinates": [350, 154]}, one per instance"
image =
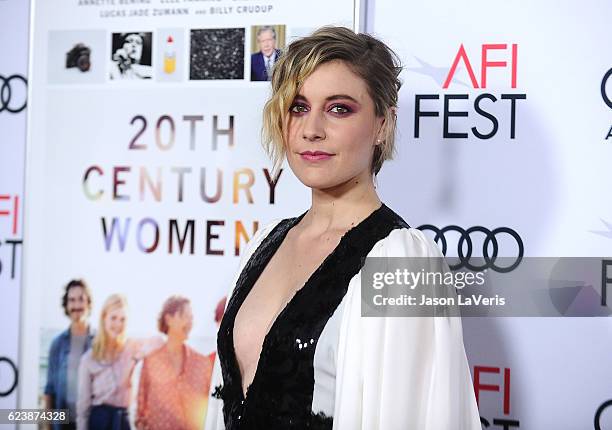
{"type": "Point", "coordinates": [293, 349]}
{"type": "Point", "coordinates": [105, 371]}
{"type": "Point", "coordinates": [175, 379]}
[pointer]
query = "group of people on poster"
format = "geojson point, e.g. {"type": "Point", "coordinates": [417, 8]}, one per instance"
{"type": "Point", "coordinates": [90, 372]}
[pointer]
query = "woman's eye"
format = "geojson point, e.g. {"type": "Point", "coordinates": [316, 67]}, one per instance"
{"type": "Point", "coordinates": [297, 108]}
{"type": "Point", "coordinates": [339, 109]}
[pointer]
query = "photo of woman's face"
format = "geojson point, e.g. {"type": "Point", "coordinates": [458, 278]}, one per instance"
{"type": "Point", "coordinates": [180, 323]}
{"type": "Point", "coordinates": [331, 128]}
{"type": "Point", "coordinates": [133, 46]}
{"type": "Point", "coordinates": [114, 322]}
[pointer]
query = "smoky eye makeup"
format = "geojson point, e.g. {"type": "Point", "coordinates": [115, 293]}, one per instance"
{"type": "Point", "coordinates": [340, 109]}
{"type": "Point", "coordinates": [298, 108]}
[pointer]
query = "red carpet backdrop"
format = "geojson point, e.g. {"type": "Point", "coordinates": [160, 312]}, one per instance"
{"type": "Point", "coordinates": [146, 177]}
{"type": "Point", "coordinates": [505, 126]}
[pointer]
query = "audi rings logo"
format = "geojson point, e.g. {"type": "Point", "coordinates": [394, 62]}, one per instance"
{"type": "Point", "coordinates": [12, 100]}
{"type": "Point", "coordinates": [600, 410]}
{"type": "Point", "coordinates": [466, 236]}
{"type": "Point", "coordinates": [604, 95]}
{"type": "Point", "coordinates": [6, 388]}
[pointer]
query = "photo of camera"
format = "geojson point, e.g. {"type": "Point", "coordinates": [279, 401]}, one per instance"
{"type": "Point", "coordinates": [78, 57]}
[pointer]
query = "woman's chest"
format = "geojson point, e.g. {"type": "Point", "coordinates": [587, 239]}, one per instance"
{"type": "Point", "coordinates": [289, 270]}
{"type": "Point", "coordinates": [112, 373]}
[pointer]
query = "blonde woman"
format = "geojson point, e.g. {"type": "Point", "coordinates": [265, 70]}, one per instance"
{"type": "Point", "coordinates": [105, 371]}
{"type": "Point", "coordinates": [294, 351]}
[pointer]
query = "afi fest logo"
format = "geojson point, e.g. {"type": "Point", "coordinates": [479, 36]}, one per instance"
{"type": "Point", "coordinates": [9, 213]}
{"type": "Point", "coordinates": [495, 381]}
{"type": "Point", "coordinates": [491, 112]}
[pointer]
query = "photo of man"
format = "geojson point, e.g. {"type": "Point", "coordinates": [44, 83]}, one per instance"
{"type": "Point", "coordinates": [131, 57]}
{"type": "Point", "coordinates": [267, 53]}
{"type": "Point", "coordinates": [66, 351]}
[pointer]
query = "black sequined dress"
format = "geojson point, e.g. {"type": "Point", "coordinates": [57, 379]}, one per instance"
{"type": "Point", "coordinates": [281, 394]}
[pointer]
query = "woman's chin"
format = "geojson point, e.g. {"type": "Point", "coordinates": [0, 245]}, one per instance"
{"type": "Point", "coordinates": [114, 336]}
{"type": "Point", "coordinates": [316, 179]}
{"type": "Point", "coordinates": [317, 182]}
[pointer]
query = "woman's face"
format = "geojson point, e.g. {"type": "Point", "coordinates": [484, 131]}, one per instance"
{"type": "Point", "coordinates": [133, 46]}
{"type": "Point", "coordinates": [114, 322]}
{"type": "Point", "coordinates": [179, 324]}
{"type": "Point", "coordinates": [332, 128]}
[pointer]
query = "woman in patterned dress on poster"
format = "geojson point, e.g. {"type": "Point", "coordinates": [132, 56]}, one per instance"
{"type": "Point", "coordinates": [175, 379]}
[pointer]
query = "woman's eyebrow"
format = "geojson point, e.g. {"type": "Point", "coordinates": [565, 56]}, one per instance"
{"type": "Point", "coordinates": [300, 97]}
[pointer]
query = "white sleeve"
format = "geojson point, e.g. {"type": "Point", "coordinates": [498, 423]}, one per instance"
{"type": "Point", "coordinates": [404, 373]}
{"type": "Point", "coordinates": [214, 413]}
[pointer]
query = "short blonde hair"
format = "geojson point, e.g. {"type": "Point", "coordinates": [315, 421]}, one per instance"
{"type": "Point", "coordinates": [366, 56]}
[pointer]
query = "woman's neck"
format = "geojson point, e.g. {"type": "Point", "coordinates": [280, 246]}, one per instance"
{"type": "Point", "coordinates": [342, 207]}
{"type": "Point", "coordinates": [174, 345]}
{"type": "Point", "coordinates": [176, 353]}
{"type": "Point", "coordinates": [113, 348]}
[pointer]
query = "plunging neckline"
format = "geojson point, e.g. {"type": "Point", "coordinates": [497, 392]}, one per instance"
{"type": "Point", "coordinates": [307, 283]}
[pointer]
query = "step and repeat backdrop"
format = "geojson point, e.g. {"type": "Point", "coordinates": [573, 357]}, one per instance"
{"type": "Point", "coordinates": [13, 108]}
{"type": "Point", "coordinates": [505, 128]}
{"type": "Point", "coordinates": [146, 175]}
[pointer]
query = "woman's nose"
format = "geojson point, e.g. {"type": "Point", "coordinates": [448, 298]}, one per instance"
{"type": "Point", "coordinates": [314, 126]}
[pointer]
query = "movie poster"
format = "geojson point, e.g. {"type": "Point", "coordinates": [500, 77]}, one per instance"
{"type": "Point", "coordinates": [146, 178]}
